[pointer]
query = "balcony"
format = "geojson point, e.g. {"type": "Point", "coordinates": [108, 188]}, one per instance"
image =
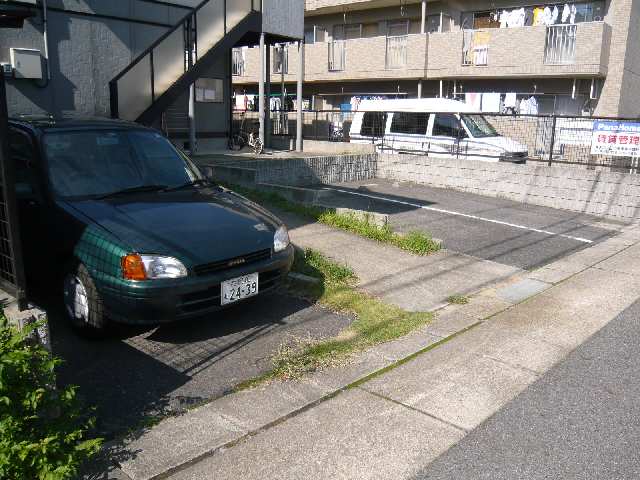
{"type": "Point", "coordinates": [364, 58]}
{"type": "Point", "coordinates": [556, 51]}
{"type": "Point", "coordinates": [560, 50]}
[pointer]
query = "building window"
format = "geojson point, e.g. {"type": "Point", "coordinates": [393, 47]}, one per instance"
{"type": "Point", "coordinates": [398, 28]}
{"type": "Point", "coordinates": [210, 90]}
{"type": "Point", "coordinates": [347, 32]}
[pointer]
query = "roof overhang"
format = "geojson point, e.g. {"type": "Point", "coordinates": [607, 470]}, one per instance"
{"type": "Point", "coordinates": [13, 16]}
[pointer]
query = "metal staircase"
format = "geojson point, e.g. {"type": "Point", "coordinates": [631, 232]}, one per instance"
{"type": "Point", "coordinates": [158, 76]}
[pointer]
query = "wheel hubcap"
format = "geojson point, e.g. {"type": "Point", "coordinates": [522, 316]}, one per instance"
{"type": "Point", "coordinates": [76, 301]}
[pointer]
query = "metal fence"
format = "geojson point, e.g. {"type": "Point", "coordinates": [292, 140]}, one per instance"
{"type": "Point", "coordinates": [578, 142]}
{"type": "Point", "coordinates": [12, 278]}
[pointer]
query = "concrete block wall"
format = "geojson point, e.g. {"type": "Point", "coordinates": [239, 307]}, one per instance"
{"type": "Point", "coordinates": [614, 195]}
{"type": "Point", "coordinates": [317, 170]}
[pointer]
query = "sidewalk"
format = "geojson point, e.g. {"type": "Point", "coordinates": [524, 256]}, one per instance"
{"type": "Point", "coordinates": [400, 405]}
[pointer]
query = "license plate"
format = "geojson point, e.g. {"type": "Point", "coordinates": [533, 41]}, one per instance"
{"type": "Point", "coordinates": [239, 288]}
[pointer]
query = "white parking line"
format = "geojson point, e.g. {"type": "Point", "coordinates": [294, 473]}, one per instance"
{"type": "Point", "coordinates": [465, 215]}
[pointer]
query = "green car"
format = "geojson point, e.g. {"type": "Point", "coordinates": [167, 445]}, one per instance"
{"type": "Point", "coordinates": [131, 229]}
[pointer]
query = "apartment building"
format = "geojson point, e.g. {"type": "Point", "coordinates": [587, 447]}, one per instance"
{"type": "Point", "coordinates": [165, 63]}
{"type": "Point", "coordinates": [574, 58]}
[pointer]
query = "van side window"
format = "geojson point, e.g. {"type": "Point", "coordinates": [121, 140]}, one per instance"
{"type": "Point", "coordinates": [447, 125]}
{"type": "Point", "coordinates": [373, 124]}
{"type": "Point", "coordinates": [414, 123]}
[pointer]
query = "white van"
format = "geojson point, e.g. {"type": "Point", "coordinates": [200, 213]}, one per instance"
{"type": "Point", "coordinates": [435, 126]}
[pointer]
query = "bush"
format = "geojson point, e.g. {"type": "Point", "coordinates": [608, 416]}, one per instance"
{"type": "Point", "coordinates": [42, 429]}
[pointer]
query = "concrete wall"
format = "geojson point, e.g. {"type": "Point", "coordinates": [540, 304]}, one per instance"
{"type": "Point", "coordinates": [317, 170]}
{"type": "Point", "coordinates": [283, 17]}
{"type": "Point", "coordinates": [598, 193]}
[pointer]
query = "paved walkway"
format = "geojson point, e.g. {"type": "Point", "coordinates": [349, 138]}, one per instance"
{"type": "Point", "coordinates": [580, 421]}
{"type": "Point", "coordinates": [400, 405]}
{"type": "Point", "coordinates": [412, 282]}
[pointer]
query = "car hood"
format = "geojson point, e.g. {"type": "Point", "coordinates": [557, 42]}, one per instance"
{"type": "Point", "coordinates": [195, 226]}
{"type": "Point", "coordinates": [500, 144]}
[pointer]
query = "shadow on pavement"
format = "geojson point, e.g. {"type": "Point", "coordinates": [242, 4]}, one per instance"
{"type": "Point", "coordinates": [136, 374]}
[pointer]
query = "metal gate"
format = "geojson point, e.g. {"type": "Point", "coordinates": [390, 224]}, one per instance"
{"type": "Point", "coordinates": [12, 278]}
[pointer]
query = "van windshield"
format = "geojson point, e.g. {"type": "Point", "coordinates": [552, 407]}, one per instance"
{"type": "Point", "coordinates": [479, 127]}
{"type": "Point", "coordinates": [101, 162]}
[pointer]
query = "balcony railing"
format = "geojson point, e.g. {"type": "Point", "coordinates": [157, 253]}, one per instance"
{"type": "Point", "coordinates": [238, 62]}
{"type": "Point", "coordinates": [560, 47]}
{"type": "Point", "coordinates": [396, 56]}
{"type": "Point", "coordinates": [337, 55]}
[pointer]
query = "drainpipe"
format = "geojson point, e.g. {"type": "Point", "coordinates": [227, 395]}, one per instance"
{"type": "Point", "coordinates": [423, 23]}
{"type": "Point", "coordinates": [45, 28]}
{"type": "Point", "coordinates": [261, 88]}
{"type": "Point", "coordinates": [299, 95]}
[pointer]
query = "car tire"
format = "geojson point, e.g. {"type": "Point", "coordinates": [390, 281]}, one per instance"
{"type": "Point", "coordinates": [82, 302]}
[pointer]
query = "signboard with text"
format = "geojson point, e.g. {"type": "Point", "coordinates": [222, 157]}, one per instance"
{"type": "Point", "coordinates": [615, 138]}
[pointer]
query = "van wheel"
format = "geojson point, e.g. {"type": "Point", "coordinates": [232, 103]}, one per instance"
{"type": "Point", "coordinates": [82, 302]}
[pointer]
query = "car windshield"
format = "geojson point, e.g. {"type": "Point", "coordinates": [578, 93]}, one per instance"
{"type": "Point", "coordinates": [102, 162]}
{"type": "Point", "coordinates": [479, 126]}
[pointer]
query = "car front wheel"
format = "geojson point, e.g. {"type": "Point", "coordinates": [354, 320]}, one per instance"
{"type": "Point", "coordinates": [82, 303]}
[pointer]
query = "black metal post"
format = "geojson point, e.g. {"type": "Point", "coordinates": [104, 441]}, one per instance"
{"type": "Point", "coordinates": [15, 280]}
{"type": "Point", "coordinates": [113, 98]}
{"type": "Point", "coordinates": [315, 127]}
{"type": "Point", "coordinates": [553, 140]}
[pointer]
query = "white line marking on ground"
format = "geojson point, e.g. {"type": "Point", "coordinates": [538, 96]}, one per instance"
{"type": "Point", "coordinates": [465, 215]}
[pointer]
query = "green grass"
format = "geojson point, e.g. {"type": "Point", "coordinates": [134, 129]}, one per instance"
{"type": "Point", "coordinates": [458, 299]}
{"type": "Point", "coordinates": [375, 321]}
{"type": "Point", "coordinates": [416, 242]}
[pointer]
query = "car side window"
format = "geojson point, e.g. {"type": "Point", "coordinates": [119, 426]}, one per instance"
{"type": "Point", "coordinates": [447, 125]}
{"type": "Point", "coordinates": [414, 123]}
{"type": "Point", "coordinates": [373, 124]}
{"type": "Point", "coordinates": [23, 154]}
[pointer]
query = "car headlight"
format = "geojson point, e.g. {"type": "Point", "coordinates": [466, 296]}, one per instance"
{"type": "Point", "coordinates": [151, 267]}
{"type": "Point", "coordinates": [281, 239]}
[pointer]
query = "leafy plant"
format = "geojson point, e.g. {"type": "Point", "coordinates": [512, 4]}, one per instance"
{"type": "Point", "coordinates": [43, 430]}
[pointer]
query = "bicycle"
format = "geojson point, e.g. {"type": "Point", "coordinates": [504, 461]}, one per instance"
{"type": "Point", "coordinates": [242, 138]}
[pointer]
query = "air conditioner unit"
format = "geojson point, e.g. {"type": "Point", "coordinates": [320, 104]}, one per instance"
{"type": "Point", "coordinates": [6, 69]}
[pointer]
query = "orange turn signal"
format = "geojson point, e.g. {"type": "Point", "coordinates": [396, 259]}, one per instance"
{"type": "Point", "coordinates": [133, 268]}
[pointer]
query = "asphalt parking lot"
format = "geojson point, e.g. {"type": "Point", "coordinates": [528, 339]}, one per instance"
{"type": "Point", "coordinates": [137, 372]}
{"type": "Point", "coordinates": [141, 372]}
{"type": "Point", "coordinates": [503, 231]}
